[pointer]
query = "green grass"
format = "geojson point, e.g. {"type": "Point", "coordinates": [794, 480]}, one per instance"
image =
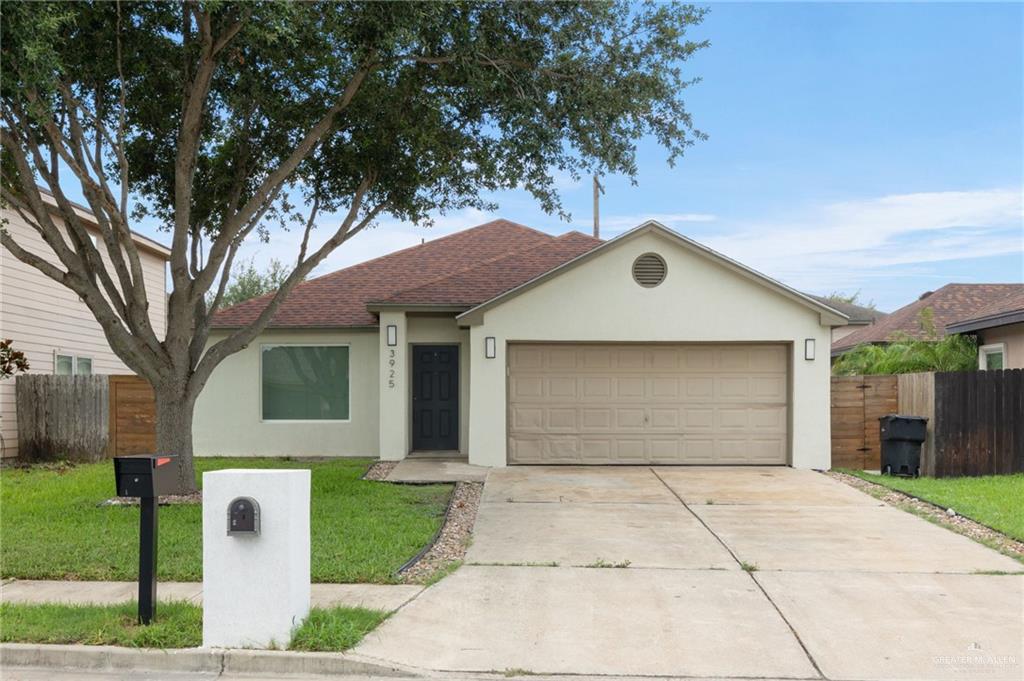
{"type": "Point", "coordinates": [335, 628]}
{"type": "Point", "coordinates": [51, 527]}
{"type": "Point", "coordinates": [177, 625]}
{"type": "Point", "coordinates": [994, 500]}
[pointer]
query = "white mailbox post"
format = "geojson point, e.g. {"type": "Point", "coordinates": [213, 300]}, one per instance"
{"type": "Point", "coordinates": [255, 581]}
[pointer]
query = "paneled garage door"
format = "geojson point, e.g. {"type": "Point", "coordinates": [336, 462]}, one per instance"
{"type": "Point", "coordinates": [658, 403]}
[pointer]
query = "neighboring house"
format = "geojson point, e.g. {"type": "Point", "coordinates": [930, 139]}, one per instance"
{"type": "Point", "coordinates": [51, 325]}
{"type": "Point", "coordinates": [999, 328]}
{"type": "Point", "coordinates": [859, 316]}
{"type": "Point", "coordinates": [511, 346]}
{"type": "Point", "coordinates": [947, 305]}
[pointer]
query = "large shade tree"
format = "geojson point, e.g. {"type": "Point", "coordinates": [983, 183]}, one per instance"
{"type": "Point", "coordinates": [223, 120]}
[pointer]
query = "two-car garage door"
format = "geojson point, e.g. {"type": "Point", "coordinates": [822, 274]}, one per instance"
{"type": "Point", "coordinates": [639, 403]}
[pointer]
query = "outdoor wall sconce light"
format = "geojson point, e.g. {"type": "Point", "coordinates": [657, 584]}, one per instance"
{"type": "Point", "coordinates": [490, 347]}
{"type": "Point", "coordinates": [392, 335]}
{"type": "Point", "coordinates": [808, 348]}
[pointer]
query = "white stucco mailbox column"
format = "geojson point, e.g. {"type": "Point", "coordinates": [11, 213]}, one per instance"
{"type": "Point", "coordinates": [256, 585]}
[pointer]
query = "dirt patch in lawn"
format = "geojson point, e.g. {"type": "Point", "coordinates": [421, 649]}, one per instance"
{"type": "Point", "coordinates": [450, 546]}
{"type": "Point", "coordinates": [953, 521]}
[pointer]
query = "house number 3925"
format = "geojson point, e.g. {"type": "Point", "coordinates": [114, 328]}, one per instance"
{"type": "Point", "coordinates": [391, 368]}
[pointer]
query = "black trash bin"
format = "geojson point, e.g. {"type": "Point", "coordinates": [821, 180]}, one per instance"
{"type": "Point", "coordinates": [901, 438]}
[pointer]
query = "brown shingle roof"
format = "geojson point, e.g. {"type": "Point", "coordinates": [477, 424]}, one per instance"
{"type": "Point", "coordinates": [339, 299]}
{"type": "Point", "coordinates": [1001, 311]}
{"type": "Point", "coordinates": [858, 314]}
{"type": "Point", "coordinates": [489, 279]}
{"type": "Point", "coordinates": [948, 304]}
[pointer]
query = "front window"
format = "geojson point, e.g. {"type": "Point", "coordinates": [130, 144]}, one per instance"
{"type": "Point", "coordinates": [992, 357]}
{"type": "Point", "coordinates": [305, 382]}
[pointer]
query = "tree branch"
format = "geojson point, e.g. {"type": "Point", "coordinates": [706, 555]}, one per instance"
{"type": "Point", "coordinates": [243, 336]}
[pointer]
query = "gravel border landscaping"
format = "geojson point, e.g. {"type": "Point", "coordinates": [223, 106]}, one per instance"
{"type": "Point", "coordinates": [946, 517]}
{"type": "Point", "coordinates": [450, 546]}
{"type": "Point", "coordinates": [379, 471]}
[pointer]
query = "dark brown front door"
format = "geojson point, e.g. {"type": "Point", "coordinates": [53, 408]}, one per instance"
{"type": "Point", "coordinates": [435, 397]}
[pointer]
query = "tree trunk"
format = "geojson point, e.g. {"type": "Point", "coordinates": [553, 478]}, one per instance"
{"type": "Point", "coordinates": [174, 409]}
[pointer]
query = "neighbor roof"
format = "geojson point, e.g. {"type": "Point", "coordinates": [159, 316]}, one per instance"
{"type": "Point", "coordinates": [456, 270]}
{"type": "Point", "coordinates": [950, 303]}
{"type": "Point", "coordinates": [858, 314]}
{"type": "Point", "coordinates": [1006, 310]}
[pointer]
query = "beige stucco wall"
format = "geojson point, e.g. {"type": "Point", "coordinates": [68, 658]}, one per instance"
{"type": "Point", "coordinates": [1013, 336]}
{"type": "Point", "coordinates": [228, 416]}
{"type": "Point", "coordinates": [396, 376]}
{"type": "Point", "coordinates": [45, 318]}
{"type": "Point", "coordinates": [700, 301]}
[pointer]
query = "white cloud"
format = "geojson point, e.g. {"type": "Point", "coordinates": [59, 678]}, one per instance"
{"type": "Point", "coordinates": [850, 240]}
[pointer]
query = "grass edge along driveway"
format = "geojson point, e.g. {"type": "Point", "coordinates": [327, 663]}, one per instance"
{"type": "Point", "coordinates": [177, 625]}
{"type": "Point", "coordinates": [52, 527]}
{"type": "Point", "coordinates": [993, 500]}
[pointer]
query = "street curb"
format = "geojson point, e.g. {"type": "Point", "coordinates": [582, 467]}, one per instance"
{"type": "Point", "coordinates": [114, 658]}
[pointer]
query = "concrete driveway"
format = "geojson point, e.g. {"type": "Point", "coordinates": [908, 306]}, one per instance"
{"type": "Point", "coordinates": [710, 572]}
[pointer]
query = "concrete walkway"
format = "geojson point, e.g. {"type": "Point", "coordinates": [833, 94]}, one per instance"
{"type": "Point", "coordinates": [433, 469]}
{"type": "Point", "coordinates": [710, 572]}
{"type": "Point", "coordinates": [386, 597]}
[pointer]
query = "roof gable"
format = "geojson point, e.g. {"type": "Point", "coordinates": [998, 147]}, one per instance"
{"type": "Point", "coordinates": [829, 315]}
{"type": "Point", "coordinates": [948, 304]}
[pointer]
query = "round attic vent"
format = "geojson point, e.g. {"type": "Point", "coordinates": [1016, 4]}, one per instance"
{"type": "Point", "coordinates": [649, 270]}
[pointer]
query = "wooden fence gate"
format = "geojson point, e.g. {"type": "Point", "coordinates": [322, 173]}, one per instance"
{"type": "Point", "coordinates": [132, 416]}
{"type": "Point", "coordinates": [857, 402]}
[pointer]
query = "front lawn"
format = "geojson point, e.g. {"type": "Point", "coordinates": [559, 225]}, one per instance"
{"type": "Point", "coordinates": [52, 528]}
{"type": "Point", "coordinates": [177, 625]}
{"type": "Point", "coordinates": [994, 500]}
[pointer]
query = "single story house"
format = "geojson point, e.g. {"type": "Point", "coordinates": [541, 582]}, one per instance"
{"type": "Point", "coordinates": [511, 346]}
{"type": "Point", "coordinates": [999, 328]}
{"type": "Point", "coordinates": [947, 305]}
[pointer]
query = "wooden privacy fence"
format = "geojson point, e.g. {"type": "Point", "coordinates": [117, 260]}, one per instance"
{"type": "Point", "coordinates": [975, 420]}
{"type": "Point", "coordinates": [979, 423]}
{"type": "Point", "coordinates": [83, 418]}
{"type": "Point", "coordinates": [857, 402]}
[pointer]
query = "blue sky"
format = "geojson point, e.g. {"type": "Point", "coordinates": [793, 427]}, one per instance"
{"type": "Point", "coordinates": [870, 147]}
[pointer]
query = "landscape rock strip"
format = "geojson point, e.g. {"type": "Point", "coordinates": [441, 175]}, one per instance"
{"type": "Point", "coordinates": [936, 514]}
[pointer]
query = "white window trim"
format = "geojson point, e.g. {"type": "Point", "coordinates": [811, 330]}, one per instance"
{"type": "Point", "coordinates": [992, 348]}
{"type": "Point", "coordinates": [74, 363]}
{"type": "Point", "coordinates": [265, 346]}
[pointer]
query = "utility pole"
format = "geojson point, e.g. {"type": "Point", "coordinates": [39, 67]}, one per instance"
{"type": "Point", "coordinates": [598, 190]}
